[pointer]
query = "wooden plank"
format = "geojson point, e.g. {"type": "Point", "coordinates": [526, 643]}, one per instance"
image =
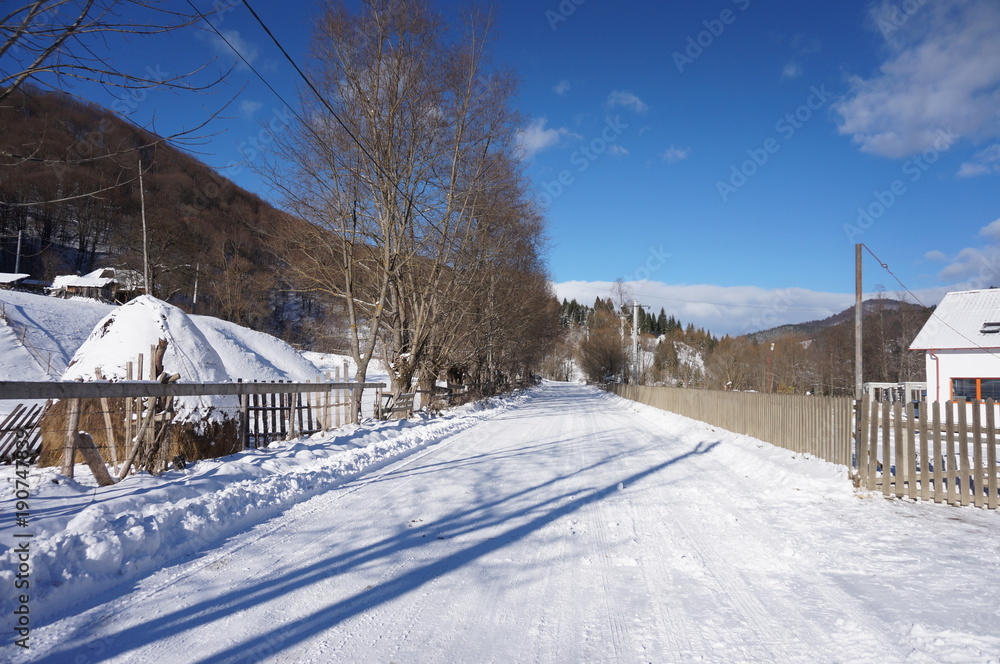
{"type": "Point", "coordinates": [925, 457]}
{"type": "Point", "coordinates": [244, 421]}
{"type": "Point", "coordinates": [25, 390]}
{"type": "Point", "coordinates": [940, 494]}
{"type": "Point", "coordinates": [898, 449]}
{"type": "Point", "coordinates": [949, 422]}
{"type": "Point", "coordinates": [863, 442]}
{"type": "Point", "coordinates": [256, 420]}
{"type": "Point", "coordinates": [69, 446]}
{"type": "Point", "coordinates": [963, 455]}
{"type": "Point", "coordinates": [873, 445]}
{"type": "Point", "coordinates": [991, 456]}
{"type": "Point", "coordinates": [92, 457]}
{"type": "Point", "coordinates": [976, 475]}
{"type": "Point", "coordinates": [887, 474]}
{"type": "Point", "coordinates": [910, 453]}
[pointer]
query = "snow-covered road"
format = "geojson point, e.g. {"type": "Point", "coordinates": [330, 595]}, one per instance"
{"type": "Point", "coordinates": [576, 527]}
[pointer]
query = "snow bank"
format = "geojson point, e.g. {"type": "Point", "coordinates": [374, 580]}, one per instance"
{"type": "Point", "coordinates": [87, 540]}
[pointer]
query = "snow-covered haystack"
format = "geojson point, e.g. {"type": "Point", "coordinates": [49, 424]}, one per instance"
{"type": "Point", "coordinates": [203, 427]}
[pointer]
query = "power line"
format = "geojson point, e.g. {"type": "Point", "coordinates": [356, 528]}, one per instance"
{"type": "Point", "coordinates": [885, 266]}
{"type": "Point", "coordinates": [411, 205]}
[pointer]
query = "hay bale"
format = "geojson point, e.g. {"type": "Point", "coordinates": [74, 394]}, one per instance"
{"type": "Point", "coordinates": [194, 440]}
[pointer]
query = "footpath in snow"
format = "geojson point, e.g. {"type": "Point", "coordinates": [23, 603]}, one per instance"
{"type": "Point", "coordinates": [562, 525]}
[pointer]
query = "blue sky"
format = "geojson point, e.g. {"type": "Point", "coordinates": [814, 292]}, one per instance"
{"type": "Point", "coordinates": [724, 157]}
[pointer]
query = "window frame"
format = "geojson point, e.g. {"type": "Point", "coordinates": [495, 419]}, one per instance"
{"type": "Point", "coordinates": [979, 389]}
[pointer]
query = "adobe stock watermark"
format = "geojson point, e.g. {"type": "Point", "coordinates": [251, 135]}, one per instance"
{"type": "Point", "coordinates": [655, 260]}
{"type": "Point", "coordinates": [895, 19]}
{"type": "Point", "coordinates": [714, 27]}
{"type": "Point", "coordinates": [583, 158]}
{"type": "Point", "coordinates": [562, 12]}
{"type": "Point", "coordinates": [786, 127]}
{"type": "Point", "coordinates": [257, 143]}
{"type": "Point", "coordinates": [913, 169]}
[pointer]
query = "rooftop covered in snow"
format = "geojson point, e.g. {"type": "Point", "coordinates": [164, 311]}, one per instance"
{"type": "Point", "coordinates": [963, 320]}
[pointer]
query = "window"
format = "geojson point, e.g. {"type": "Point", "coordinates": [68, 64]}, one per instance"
{"type": "Point", "coordinates": [975, 389]}
{"type": "Point", "coordinates": [990, 328]}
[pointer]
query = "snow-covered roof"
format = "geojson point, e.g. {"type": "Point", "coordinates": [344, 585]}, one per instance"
{"type": "Point", "coordinates": [963, 320]}
{"type": "Point", "coordinates": [10, 277]}
{"type": "Point", "coordinates": [92, 280]}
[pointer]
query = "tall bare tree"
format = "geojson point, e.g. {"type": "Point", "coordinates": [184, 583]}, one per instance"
{"type": "Point", "coordinates": [407, 142]}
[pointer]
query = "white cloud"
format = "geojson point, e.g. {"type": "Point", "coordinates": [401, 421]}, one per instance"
{"type": "Point", "coordinates": [972, 170]}
{"type": "Point", "coordinates": [562, 88]}
{"type": "Point", "coordinates": [983, 163]}
{"type": "Point", "coordinates": [623, 99]}
{"type": "Point", "coordinates": [991, 230]}
{"type": "Point", "coordinates": [236, 43]}
{"type": "Point", "coordinates": [732, 310]}
{"type": "Point", "coordinates": [537, 137]}
{"type": "Point", "coordinates": [935, 255]}
{"type": "Point", "coordinates": [617, 151]}
{"type": "Point", "coordinates": [975, 267]}
{"type": "Point", "coordinates": [248, 108]}
{"type": "Point", "coordinates": [791, 70]}
{"type": "Point", "coordinates": [673, 154]}
{"type": "Point", "coordinates": [722, 310]}
{"type": "Point", "coordinates": [942, 73]}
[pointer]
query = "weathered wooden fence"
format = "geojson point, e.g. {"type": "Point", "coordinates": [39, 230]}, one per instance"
{"type": "Point", "coordinates": [945, 452]}
{"type": "Point", "coordinates": [266, 411]}
{"type": "Point", "coordinates": [277, 415]}
{"type": "Point", "coordinates": [821, 426]}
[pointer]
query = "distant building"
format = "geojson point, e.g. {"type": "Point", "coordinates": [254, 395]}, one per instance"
{"type": "Point", "coordinates": [108, 284]}
{"type": "Point", "coordinates": [961, 341]}
{"type": "Point", "coordinates": [11, 281]}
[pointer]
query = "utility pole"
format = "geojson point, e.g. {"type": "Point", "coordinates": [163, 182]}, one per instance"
{"type": "Point", "coordinates": [858, 315]}
{"type": "Point", "coordinates": [194, 303]}
{"type": "Point", "coordinates": [635, 342]}
{"type": "Point", "coordinates": [145, 244]}
{"type": "Point", "coordinates": [17, 261]}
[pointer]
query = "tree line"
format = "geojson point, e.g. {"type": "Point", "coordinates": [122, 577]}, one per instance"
{"type": "Point", "coordinates": [811, 359]}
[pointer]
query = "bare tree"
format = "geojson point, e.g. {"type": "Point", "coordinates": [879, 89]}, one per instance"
{"type": "Point", "coordinates": [406, 145]}
{"type": "Point", "coordinates": [52, 42]}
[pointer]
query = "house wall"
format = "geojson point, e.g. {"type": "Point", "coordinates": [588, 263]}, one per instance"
{"type": "Point", "coordinates": [958, 364]}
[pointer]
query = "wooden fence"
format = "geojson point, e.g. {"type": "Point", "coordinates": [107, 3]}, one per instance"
{"type": "Point", "coordinates": [945, 452]}
{"type": "Point", "coordinates": [266, 411]}
{"type": "Point", "coordinates": [821, 426]}
{"type": "Point", "coordinates": [277, 415]}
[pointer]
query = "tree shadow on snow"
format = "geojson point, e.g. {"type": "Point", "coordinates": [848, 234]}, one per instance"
{"type": "Point", "coordinates": [271, 642]}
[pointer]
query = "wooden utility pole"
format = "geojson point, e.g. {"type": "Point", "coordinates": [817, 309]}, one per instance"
{"type": "Point", "coordinates": [635, 342]}
{"type": "Point", "coordinates": [858, 315]}
{"type": "Point", "coordinates": [145, 244]}
{"type": "Point", "coordinates": [17, 260]}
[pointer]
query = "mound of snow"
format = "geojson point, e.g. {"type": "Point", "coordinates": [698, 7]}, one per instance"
{"type": "Point", "coordinates": [253, 355]}
{"type": "Point", "coordinates": [133, 329]}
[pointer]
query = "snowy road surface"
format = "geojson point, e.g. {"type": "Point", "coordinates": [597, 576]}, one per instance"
{"type": "Point", "coordinates": [575, 527]}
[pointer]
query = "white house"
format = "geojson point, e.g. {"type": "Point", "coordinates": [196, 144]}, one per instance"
{"type": "Point", "coordinates": [961, 341]}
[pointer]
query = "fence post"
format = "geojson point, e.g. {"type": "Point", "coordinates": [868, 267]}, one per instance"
{"type": "Point", "coordinates": [243, 424]}
{"type": "Point", "coordinates": [69, 448]}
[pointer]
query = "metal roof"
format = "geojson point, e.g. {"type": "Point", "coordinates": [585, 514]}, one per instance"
{"type": "Point", "coordinates": [962, 321]}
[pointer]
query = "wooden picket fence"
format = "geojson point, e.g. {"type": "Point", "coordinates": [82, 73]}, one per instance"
{"type": "Point", "coordinates": [277, 415]}
{"type": "Point", "coordinates": [821, 426]}
{"type": "Point", "coordinates": [941, 452]}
